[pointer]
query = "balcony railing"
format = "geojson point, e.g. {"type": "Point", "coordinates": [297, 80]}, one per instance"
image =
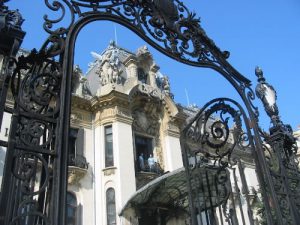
{"type": "Point", "coordinates": [78, 161]}
{"type": "Point", "coordinates": [147, 174]}
{"type": "Point", "coordinates": [78, 167]}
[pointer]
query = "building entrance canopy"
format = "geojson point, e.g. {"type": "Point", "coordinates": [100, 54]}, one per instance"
{"type": "Point", "coordinates": [170, 191]}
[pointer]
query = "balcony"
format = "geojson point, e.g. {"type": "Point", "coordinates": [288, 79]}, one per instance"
{"type": "Point", "coordinates": [77, 168]}
{"type": "Point", "coordinates": [147, 174]}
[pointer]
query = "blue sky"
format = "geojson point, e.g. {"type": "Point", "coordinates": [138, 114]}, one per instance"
{"type": "Point", "coordinates": [264, 33]}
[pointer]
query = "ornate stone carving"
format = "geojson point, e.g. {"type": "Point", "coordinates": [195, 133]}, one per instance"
{"type": "Point", "coordinates": [75, 174]}
{"type": "Point", "coordinates": [109, 171]}
{"type": "Point", "coordinates": [76, 116]}
{"type": "Point", "coordinates": [150, 91]}
{"type": "Point", "coordinates": [144, 54]}
{"type": "Point", "coordinates": [146, 119]}
{"type": "Point", "coordinates": [166, 85]}
{"type": "Point", "coordinates": [109, 68]}
{"type": "Point", "coordinates": [80, 85]}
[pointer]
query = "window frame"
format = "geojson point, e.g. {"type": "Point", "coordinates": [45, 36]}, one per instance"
{"type": "Point", "coordinates": [149, 150]}
{"type": "Point", "coordinates": [73, 207]}
{"type": "Point", "coordinates": [108, 153]}
{"type": "Point", "coordinates": [112, 203]}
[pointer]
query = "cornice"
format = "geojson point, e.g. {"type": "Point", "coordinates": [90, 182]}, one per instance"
{"type": "Point", "coordinates": [172, 133]}
{"type": "Point", "coordinates": [130, 59]}
{"type": "Point", "coordinates": [81, 103]}
{"type": "Point", "coordinates": [114, 98]}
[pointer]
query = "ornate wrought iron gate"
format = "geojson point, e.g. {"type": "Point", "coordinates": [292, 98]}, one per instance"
{"type": "Point", "coordinates": [35, 176]}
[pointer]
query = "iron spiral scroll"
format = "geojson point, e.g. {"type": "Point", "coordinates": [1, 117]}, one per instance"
{"type": "Point", "coordinates": [213, 140]}
{"type": "Point", "coordinates": [41, 89]}
{"type": "Point", "coordinates": [35, 181]}
{"type": "Point", "coordinates": [35, 86]}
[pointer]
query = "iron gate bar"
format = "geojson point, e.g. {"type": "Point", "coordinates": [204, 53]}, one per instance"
{"type": "Point", "coordinates": [158, 22]}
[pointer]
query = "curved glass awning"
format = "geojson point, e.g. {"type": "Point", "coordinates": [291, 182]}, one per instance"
{"type": "Point", "coordinates": [170, 191]}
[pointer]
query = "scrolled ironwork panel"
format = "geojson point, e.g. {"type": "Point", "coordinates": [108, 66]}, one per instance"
{"type": "Point", "coordinates": [28, 175]}
{"type": "Point", "coordinates": [215, 138]}
{"type": "Point", "coordinates": [42, 92]}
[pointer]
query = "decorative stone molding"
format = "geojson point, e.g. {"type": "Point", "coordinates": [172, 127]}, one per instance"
{"type": "Point", "coordinates": [75, 174]}
{"type": "Point", "coordinates": [147, 118]}
{"type": "Point", "coordinates": [109, 171]}
{"type": "Point", "coordinates": [81, 103]}
{"type": "Point", "coordinates": [114, 113]}
{"type": "Point", "coordinates": [81, 118]}
{"type": "Point", "coordinates": [172, 129]}
{"type": "Point", "coordinates": [76, 116]}
{"type": "Point", "coordinates": [144, 90]}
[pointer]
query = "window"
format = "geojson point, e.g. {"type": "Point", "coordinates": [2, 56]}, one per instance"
{"type": "Point", "coordinates": [144, 151]}
{"type": "Point", "coordinates": [142, 76]}
{"type": "Point", "coordinates": [71, 209]}
{"type": "Point", "coordinates": [76, 148]}
{"type": "Point", "coordinates": [109, 154]}
{"type": "Point", "coordinates": [72, 141]}
{"type": "Point", "coordinates": [111, 206]}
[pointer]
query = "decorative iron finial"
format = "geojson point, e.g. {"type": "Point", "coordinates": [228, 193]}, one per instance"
{"type": "Point", "coordinates": [259, 73]}
{"type": "Point", "coordinates": [267, 94]}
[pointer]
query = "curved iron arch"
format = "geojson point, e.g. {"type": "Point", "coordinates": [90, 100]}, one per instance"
{"type": "Point", "coordinates": [240, 85]}
{"type": "Point", "coordinates": [179, 32]}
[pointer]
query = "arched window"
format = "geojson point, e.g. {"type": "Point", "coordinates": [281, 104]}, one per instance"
{"type": "Point", "coordinates": [71, 208]}
{"type": "Point", "coordinates": [111, 206]}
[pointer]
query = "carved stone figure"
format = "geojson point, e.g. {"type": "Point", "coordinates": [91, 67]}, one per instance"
{"type": "Point", "coordinates": [77, 73]}
{"type": "Point", "coordinates": [109, 68]}
{"type": "Point", "coordinates": [166, 85]}
{"type": "Point", "coordinates": [80, 84]}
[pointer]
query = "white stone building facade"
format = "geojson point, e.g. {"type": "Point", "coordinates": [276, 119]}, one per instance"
{"type": "Point", "coordinates": [124, 141]}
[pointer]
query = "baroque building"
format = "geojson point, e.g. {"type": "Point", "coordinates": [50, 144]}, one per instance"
{"type": "Point", "coordinates": [124, 133]}
{"type": "Point", "coordinates": [125, 150]}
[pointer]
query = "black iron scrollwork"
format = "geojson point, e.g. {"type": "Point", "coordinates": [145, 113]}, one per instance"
{"type": "Point", "coordinates": [38, 92]}
{"type": "Point", "coordinates": [35, 84]}
{"type": "Point", "coordinates": [213, 139]}
{"type": "Point", "coordinates": [280, 154]}
{"type": "Point", "coordinates": [167, 25]}
{"type": "Point", "coordinates": [215, 124]}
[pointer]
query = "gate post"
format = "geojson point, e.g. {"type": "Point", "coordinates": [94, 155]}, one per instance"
{"type": "Point", "coordinates": [11, 37]}
{"type": "Point", "coordinates": [280, 152]}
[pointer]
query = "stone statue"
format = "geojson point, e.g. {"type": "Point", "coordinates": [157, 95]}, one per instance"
{"type": "Point", "coordinates": [77, 73]}
{"type": "Point", "coordinates": [109, 71]}
{"type": "Point", "coordinates": [80, 85]}
{"type": "Point", "coordinates": [166, 85]}
{"type": "Point", "coordinates": [144, 54]}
